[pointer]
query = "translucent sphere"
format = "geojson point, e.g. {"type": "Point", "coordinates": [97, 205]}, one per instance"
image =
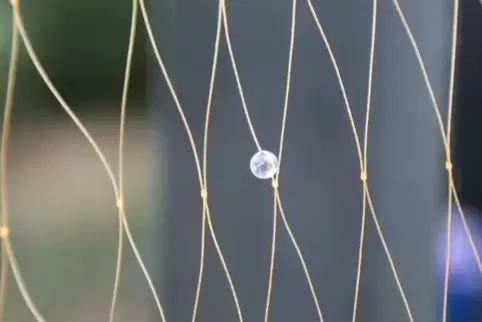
{"type": "Point", "coordinates": [264, 164]}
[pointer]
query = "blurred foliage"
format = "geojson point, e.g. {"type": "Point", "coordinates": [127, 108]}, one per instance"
{"type": "Point", "coordinates": [83, 46]}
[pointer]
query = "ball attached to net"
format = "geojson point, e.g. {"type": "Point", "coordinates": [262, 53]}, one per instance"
{"type": "Point", "coordinates": [264, 164]}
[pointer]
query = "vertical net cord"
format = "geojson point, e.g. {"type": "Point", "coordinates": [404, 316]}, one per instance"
{"type": "Point", "coordinates": [438, 116]}
{"type": "Point", "coordinates": [204, 193]}
{"type": "Point", "coordinates": [280, 154]}
{"type": "Point", "coordinates": [7, 116]}
{"type": "Point", "coordinates": [118, 190]}
{"type": "Point", "coordinates": [273, 251]}
{"type": "Point", "coordinates": [195, 154]}
{"type": "Point", "coordinates": [277, 201]}
{"type": "Point", "coordinates": [8, 255]}
{"type": "Point", "coordinates": [365, 161]}
{"type": "Point", "coordinates": [446, 140]}
{"type": "Point", "coordinates": [120, 201]}
{"type": "Point", "coordinates": [93, 143]}
{"type": "Point", "coordinates": [448, 165]}
{"type": "Point", "coordinates": [246, 112]}
{"type": "Point", "coordinates": [360, 159]}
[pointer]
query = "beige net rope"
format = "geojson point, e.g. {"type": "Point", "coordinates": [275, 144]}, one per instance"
{"type": "Point", "coordinates": [20, 36]}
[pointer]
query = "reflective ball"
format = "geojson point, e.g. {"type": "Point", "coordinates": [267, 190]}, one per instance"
{"type": "Point", "coordinates": [264, 164]}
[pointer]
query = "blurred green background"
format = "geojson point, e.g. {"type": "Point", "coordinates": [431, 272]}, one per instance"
{"type": "Point", "coordinates": [62, 208]}
{"type": "Point", "coordinates": [82, 45]}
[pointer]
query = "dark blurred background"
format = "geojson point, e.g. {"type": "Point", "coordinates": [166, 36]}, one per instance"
{"type": "Point", "coordinates": [465, 301]}
{"type": "Point", "coordinates": [63, 216]}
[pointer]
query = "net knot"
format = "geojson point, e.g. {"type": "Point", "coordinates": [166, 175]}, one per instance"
{"type": "Point", "coordinates": [4, 232]}
{"type": "Point", "coordinates": [363, 176]}
{"type": "Point", "coordinates": [448, 165]}
{"type": "Point", "coordinates": [15, 3]}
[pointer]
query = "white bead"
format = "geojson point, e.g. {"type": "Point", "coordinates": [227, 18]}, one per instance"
{"type": "Point", "coordinates": [264, 164]}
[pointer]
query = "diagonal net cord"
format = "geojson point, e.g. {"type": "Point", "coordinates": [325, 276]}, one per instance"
{"type": "Point", "coordinates": [445, 135]}
{"type": "Point", "coordinates": [455, 20]}
{"type": "Point", "coordinates": [363, 175]}
{"type": "Point", "coordinates": [8, 255]}
{"type": "Point", "coordinates": [7, 119]}
{"type": "Point", "coordinates": [206, 208]}
{"type": "Point", "coordinates": [275, 184]}
{"type": "Point", "coordinates": [365, 161]}
{"type": "Point", "coordinates": [204, 194]}
{"type": "Point", "coordinates": [275, 181]}
{"type": "Point", "coordinates": [125, 90]}
{"type": "Point", "coordinates": [377, 225]}
{"type": "Point", "coordinates": [68, 110]}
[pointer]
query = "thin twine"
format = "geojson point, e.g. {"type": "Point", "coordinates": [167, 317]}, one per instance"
{"type": "Point", "coordinates": [7, 119]}
{"type": "Point", "coordinates": [93, 143]}
{"type": "Point", "coordinates": [365, 162]}
{"type": "Point", "coordinates": [253, 133]}
{"type": "Point", "coordinates": [8, 255]}
{"type": "Point", "coordinates": [445, 136]}
{"type": "Point", "coordinates": [195, 154]}
{"type": "Point", "coordinates": [450, 184]}
{"type": "Point", "coordinates": [275, 181]}
{"type": "Point", "coordinates": [120, 202]}
{"type": "Point", "coordinates": [204, 193]}
{"type": "Point", "coordinates": [360, 158]}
